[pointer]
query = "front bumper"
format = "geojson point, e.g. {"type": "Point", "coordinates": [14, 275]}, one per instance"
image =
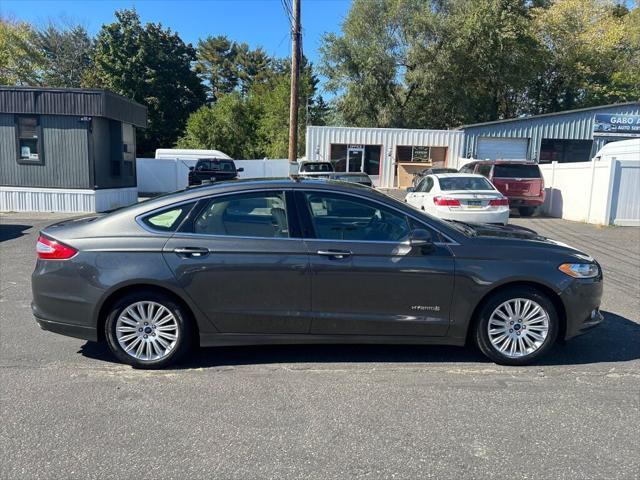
{"type": "Point", "coordinates": [582, 304]}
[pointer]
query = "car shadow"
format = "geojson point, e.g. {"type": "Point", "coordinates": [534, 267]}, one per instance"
{"type": "Point", "coordinates": [616, 340]}
{"type": "Point", "coordinates": [9, 231]}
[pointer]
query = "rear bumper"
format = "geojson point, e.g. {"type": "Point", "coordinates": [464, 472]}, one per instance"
{"type": "Point", "coordinates": [475, 216]}
{"type": "Point", "coordinates": [67, 329]}
{"type": "Point", "coordinates": [525, 201]}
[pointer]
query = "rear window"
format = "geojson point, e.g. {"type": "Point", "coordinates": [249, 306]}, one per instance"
{"type": "Point", "coordinates": [169, 219]}
{"type": "Point", "coordinates": [216, 165]}
{"type": "Point", "coordinates": [465, 183]}
{"type": "Point", "coordinates": [516, 171]}
{"type": "Point", "coordinates": [317, 167]}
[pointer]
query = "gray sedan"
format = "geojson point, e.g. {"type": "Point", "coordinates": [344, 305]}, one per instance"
{"type": "Point", "coordinates": [306, 261]}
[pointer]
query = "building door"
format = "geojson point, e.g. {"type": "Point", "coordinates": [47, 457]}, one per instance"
{"type": "Point", "coordinates": [355, 159]}
{"type": "Point", "coordinates": [493, 148]}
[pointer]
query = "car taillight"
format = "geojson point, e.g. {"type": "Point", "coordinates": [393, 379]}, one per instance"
{"type": "Point", "coordinates": [446, 202]}
{"type": "Point", "coordinates": [498, 202]}
{"type": "Point", "coordinates": [48, 249]}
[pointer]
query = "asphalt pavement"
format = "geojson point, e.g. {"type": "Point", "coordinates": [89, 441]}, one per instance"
{"type": "Point", "coordinates": [68, 410]}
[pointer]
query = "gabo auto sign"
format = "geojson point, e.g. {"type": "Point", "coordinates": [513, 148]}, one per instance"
{"type": "Point", "coordinates": [625, 125]}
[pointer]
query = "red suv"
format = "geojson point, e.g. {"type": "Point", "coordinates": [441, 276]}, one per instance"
{"type": "Point", "coordinates": [520, 182]}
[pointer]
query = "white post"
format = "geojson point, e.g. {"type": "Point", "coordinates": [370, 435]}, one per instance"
{"type": "Point", "coordinates": [593, 175]}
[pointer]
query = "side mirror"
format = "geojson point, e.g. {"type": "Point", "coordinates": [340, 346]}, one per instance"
{"type": "Point", "coordinates": [421, 238]}
{"type": "Point", "coordinates": [191, 169]}
{"type": "Point", "coordinates": [410, 189]}
{"type": "Point", "coordinates": [241, 169]}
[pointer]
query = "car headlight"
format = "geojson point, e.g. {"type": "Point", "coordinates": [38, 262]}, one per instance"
{"type": "Point", "coordinates": [580, 270]}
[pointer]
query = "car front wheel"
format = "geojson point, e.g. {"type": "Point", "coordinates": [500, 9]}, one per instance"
{"type": "Point", "coordinates": [516, 326]}
{"type": "Point", "coordinates": [147, 330]}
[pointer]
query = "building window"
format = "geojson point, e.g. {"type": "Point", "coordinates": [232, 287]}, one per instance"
{"type": "Point", "coordinates": [421, 154]}
{"type": "Point", "coordinates": [356, 158]}
{"type": "Point", "coordinates": [563, 151]}
{"type": "Point", "coordinates": [128, 148]}
{"type": "Point", "coordinates": [28, 140]}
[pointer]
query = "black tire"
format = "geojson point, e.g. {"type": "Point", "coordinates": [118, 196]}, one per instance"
{"type": "Point", "coordinates": [183, 327]}
{"type": "Point", "coordinates": [526, 211]}
{"type": "Point", "coordinates": [481, 334]}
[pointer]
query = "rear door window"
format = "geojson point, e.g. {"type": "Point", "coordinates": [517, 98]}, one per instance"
{"type": "Point", "coordinates": [516, 171]}
{"type": "Point", "coordinates": [256, 214]}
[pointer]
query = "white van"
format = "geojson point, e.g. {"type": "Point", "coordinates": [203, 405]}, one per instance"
{"type": "Point", "coordinates": [620, 150]}
{"type": "Point", "coordinates": [189, 157]}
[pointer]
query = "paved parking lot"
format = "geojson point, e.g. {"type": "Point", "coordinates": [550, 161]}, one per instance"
{"type": "Point", "coordinates": [68, 411]}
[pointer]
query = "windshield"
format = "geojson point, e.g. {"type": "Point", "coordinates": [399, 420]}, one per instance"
{"type": "Point", "coordinates": [515, 170]}
{"type": "Point", "coordinates": [216, 165]}
{"type": "Point", "coordinates": [465, 183]}
{"type": "Point", "coordinates": [316, 167]}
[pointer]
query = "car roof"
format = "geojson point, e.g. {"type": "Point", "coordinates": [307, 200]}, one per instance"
{"type": "Point", "coordinates": [239, 185]}
{"type": "Point", "coordinates": [452, 175]}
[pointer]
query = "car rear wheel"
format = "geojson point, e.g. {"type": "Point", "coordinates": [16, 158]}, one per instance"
{"type": "Point", "coordinates": [526, 211]}
{"type": "Point", "coordinates": [516, 326]}
{"type": "Point", "coordinates": [147, 330]}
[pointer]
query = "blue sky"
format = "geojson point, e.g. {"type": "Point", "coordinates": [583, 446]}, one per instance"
{"type": "Point", "coordinates": [256, 22]}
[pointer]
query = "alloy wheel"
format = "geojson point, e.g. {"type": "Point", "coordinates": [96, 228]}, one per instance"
{"type": "Point", "coordinates": [518, 327]}
{"type": "Point", "coordinates": [147, 330]}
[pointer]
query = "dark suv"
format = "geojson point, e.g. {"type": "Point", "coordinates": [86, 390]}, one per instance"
{"type": "Point", "coordinates": [521, 182]}
{"type": "Point", "coordinates": [213, 170]}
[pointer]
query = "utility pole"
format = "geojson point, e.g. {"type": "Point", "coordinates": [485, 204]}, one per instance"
{"type": "Point", "coordinates": [295, 74]}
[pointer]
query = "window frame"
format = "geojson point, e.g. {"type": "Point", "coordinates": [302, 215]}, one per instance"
{"type": "Point", "coordinates": [293, 225]}
{"type": "Point", "coordinates": [39, 142]}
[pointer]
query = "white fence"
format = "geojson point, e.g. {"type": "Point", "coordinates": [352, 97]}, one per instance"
{"type": "Point", "coordinates": [600, 192]}
{"type": "Point", "coordinates": [167, 175]}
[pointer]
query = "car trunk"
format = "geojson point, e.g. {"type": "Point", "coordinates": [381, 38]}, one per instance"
{"type": "Point", "coordinates": [518, 180]}
{"type": "Point", "coordinates": [473, 200]}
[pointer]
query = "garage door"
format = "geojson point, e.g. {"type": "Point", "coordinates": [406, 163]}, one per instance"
{"type": "Point", "coordinates": [502, 148]}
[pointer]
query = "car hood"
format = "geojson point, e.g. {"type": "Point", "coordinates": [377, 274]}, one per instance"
{"type": "Point", "coordinates": [518, 234]}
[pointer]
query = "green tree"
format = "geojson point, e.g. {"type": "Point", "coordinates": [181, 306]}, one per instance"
{"type": "Point", "coordinates": [66, 54]}
{"type": "Point", "coordinates": [151, 65]}
{"type": "Point", "coordinates": [20, 62]}
{"type": "Point", "coordinates": [217, 65]}
{"type": "Point", "coordinates": [585, 43]}
{"type": "Point", "coordinates": [416, 63]}
{"type": "Point", "coordinates": [229, 125]}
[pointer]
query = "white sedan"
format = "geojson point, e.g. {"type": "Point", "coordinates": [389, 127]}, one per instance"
{"type": "Point", "coordinates": [460, 196]}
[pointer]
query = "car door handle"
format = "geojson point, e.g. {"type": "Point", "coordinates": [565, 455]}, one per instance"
{"type": "Point", "coordinates": [337, 254]}
{"type": "Point", "coordinates": [191, 252]}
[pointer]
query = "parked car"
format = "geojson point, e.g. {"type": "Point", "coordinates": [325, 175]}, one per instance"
{"type": "Point", "coordinates": [521, 182]}
{"type": "Point", "coordinates": [213, 170]}
{"type": "Point", "coordinates": [315, 169]}
{"type": "Point", "coordinates": [298, 261]}
{"type": "Point", "coordinates": [459, 196]}
{"type": "Point", "coordinates": [353, 177]}
{"type": "Point", "coordinates": [430, 171]}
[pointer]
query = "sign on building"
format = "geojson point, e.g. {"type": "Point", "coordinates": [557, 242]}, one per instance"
{"type": "Point", "coordinates": [615, 124]}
